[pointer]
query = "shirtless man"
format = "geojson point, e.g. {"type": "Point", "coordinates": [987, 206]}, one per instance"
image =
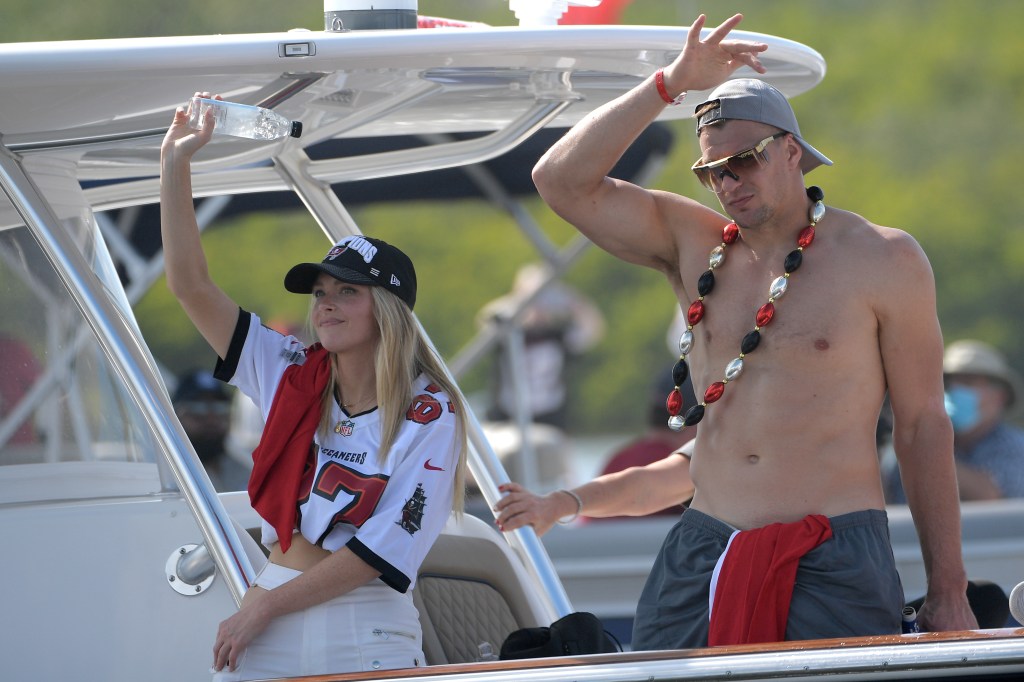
{"type": "Point", "coordinates": [792, 438]}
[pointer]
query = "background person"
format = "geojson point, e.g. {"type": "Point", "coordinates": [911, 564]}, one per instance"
{"type": "Point", "coordinates": [982, 390]}
{"type": "Point", "coordinates": [558, 324]}
{"type": "Point", "coordinates": [362, 457]}
{"type": "Point", "coordinates": [791, 439]}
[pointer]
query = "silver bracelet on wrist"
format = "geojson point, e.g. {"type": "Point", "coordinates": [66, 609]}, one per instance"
{"type": "Point", "coordinates": [565, 520]}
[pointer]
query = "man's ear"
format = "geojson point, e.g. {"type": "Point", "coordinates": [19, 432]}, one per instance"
{"type": "Point", "coordinates": [794, 151]}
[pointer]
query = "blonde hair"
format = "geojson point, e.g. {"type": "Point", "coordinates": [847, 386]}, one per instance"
{"type": "Point", "coordinates": [403, 353]}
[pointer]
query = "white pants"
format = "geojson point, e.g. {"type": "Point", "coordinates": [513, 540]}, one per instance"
{"type": "Point", "coordinates": [371, 628]}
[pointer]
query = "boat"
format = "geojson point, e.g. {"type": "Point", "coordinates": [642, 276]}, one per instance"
{"type": "Point", "coordinates": [121, 558]}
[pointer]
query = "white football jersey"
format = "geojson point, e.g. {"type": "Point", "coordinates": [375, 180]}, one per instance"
{"type": "Point", "coordinates": [388, 513]}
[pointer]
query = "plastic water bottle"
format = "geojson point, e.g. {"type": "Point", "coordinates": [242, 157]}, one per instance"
{"type": "Point", "coordinates": [242, 120]}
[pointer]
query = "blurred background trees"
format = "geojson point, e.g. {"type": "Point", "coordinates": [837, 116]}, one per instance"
{"type": "Point", "coordinates": [921, 110]}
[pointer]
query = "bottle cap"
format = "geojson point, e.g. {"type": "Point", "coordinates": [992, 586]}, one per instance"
{"type": "Point", "coordinates": [296, 128]}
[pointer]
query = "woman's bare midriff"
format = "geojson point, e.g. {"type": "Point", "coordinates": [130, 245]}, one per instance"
{"type": "Point", "coordinates": [302, 555]}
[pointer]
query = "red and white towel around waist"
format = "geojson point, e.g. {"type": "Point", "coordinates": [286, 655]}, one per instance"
{"type": "Point", "coordinates": [752, 583]}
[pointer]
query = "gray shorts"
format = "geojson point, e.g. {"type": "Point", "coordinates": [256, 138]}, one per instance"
{"type": "Point", "coordinates": [847, 586]}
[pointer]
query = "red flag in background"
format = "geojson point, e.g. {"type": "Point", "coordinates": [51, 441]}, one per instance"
{"type": "Point", "coordinates": [608, 12]}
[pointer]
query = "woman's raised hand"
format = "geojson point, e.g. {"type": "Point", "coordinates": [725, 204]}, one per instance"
{"type": "Point", "coordinates": [181, 141]}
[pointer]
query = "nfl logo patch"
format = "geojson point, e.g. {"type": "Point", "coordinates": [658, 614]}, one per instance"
{"type": "Point", "coordinates": [344, 428]}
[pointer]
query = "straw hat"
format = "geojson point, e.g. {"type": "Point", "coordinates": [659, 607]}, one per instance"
{"type": "Point", "coordinates": [981, 359]}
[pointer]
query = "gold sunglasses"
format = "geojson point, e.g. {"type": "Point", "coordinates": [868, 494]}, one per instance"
{"type": "Point", "coordinates": [711, 174]}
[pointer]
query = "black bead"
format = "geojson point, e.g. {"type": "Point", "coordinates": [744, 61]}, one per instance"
{"type": "Point", "coordinates": [750, 342]}
{"type": "Point", "coordinates": [693, 415]}
{"type": "Point", "coordinates": [794, 260]}
{"type": "Point", "coordinates": [680, 372]}
{"type": "Point", "coordinates": [706, 283]}
{"type": "Point", "coordinates": [814, 193]}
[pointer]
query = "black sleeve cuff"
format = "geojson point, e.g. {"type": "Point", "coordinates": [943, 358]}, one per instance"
{"type": "Point", "coordinates": [391, 576]}
{"type": "Point", "coordinates": [226, 367]}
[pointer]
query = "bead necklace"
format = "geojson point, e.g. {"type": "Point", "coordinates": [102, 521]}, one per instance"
{"type": "Point", "coordinates": [764, 315]}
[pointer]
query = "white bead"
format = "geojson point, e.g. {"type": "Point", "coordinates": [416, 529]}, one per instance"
{"type": "Point", "coordinates": [817, 212]}
{"type": "Point", "coordinates": [685, 342]}
{"type": "Point", "coordinates": [675, 422]}
{"type": "Point", "coordinates": [778, 287]}
{"type": "Point", "coordinates": [734, 369]}
{"type": "Point", "coordinates": [717, 257]}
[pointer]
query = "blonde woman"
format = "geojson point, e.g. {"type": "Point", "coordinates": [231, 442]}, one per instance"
{"type": "Point", "coordinates": [362, 457]}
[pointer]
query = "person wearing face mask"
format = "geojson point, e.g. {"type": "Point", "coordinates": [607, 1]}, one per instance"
{"type": "Point", "coordinates": [981, 393]}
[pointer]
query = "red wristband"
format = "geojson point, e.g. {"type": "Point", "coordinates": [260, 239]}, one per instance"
{"type": "Point", "coordinates": [659, 82]}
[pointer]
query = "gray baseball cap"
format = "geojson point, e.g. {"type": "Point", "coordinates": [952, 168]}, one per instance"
{"type": "Point", "coordinates": [751, 99]}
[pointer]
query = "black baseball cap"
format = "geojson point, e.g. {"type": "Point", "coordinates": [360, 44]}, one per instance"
{"type": "Point", "coordinates": [360, 260]}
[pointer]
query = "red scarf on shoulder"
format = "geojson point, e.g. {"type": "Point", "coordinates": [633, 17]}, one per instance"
{"type": "Point", "coordinates": [280, 458]}
{"type": "Point", "coordinates": [755, 584]}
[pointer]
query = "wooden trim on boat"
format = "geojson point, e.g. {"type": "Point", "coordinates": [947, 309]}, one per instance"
{"type": "Point", "coordinates": [820, 646]}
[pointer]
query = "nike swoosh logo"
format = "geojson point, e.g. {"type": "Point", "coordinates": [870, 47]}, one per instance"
{"type": "Point", "coordinates": [430, 467]}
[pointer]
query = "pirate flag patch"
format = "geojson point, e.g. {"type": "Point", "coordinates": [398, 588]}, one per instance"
{"type": "Point", "coordinates": [412, 512]}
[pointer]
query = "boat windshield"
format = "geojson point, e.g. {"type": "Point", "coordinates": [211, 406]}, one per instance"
{"type": "Point", "coordinates": [61, 401]}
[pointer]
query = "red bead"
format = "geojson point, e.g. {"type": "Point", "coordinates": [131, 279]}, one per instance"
{"type": "Point", "coordinates": [714, 392]}
{"type": "Point", "coordinates": [765, 314]}
{"type": "Point", "coordinates": [695, 313]}
{"type": "Point", "coordinates": [806, 236]}
{"type": "Point", "coordinates": [730, 232]}
{"type": "Point", "coordinates": [674, 402]}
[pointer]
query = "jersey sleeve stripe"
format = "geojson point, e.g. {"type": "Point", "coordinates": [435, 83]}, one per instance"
{"type": "Point", "coordinates": [226, 367]}
{"type": "Point", "coordinates": [391, 576]}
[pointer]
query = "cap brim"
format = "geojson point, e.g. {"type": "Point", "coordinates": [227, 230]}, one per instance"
{"type": "Point", "coordinates": [812, 158]}
{"type": "Point", "coordinates": [300, 278]}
